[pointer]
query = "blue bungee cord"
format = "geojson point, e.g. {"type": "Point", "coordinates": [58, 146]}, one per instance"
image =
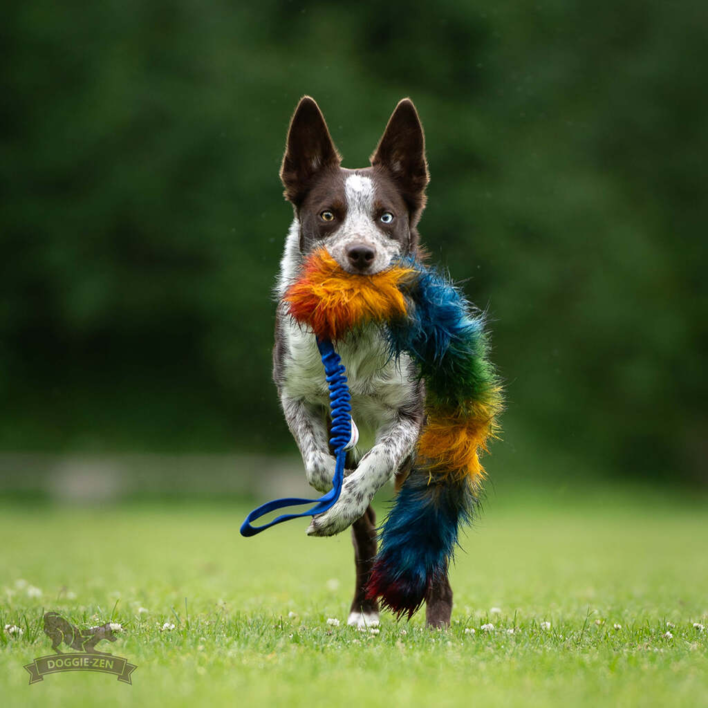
{"type": "Point", "coordinates": [344, 437]}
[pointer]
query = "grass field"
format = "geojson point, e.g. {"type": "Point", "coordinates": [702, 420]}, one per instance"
{"type": "Point", "coordinates": [608, 571]}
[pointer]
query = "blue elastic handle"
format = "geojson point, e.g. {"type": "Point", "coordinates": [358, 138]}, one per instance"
{"type": "Point", "coordinates": [340, 412]}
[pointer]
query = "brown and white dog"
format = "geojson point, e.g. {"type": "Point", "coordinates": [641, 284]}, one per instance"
{"type": "Point", "coordinates": [365, 218]}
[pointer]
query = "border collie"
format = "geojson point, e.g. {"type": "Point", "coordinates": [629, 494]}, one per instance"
{"type": "Point", "coordinates": [365, 218]}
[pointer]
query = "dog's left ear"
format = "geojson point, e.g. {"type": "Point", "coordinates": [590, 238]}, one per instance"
{"type": "Point", "coordinates": [401, 152]}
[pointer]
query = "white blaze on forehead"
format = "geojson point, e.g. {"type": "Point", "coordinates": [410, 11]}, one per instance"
{"type": "Point", "coordinates": [359, 192]}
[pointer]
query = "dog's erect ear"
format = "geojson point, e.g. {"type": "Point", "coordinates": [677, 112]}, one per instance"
{"type": "Point", "coordinates": [309, 149]}
{"type": "Point", "coordinates": [401, 152]}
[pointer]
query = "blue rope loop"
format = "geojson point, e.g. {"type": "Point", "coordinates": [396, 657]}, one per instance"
{"type": "Point", "coordinates": [340, 412]}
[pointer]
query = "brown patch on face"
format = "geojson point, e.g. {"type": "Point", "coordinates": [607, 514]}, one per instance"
{"type": "Point", "coordinates": [325, 195]}
{"type": "Point", "coordinates": [389, 199]}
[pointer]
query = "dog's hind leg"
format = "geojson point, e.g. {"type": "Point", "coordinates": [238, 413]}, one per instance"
{"type": "Point", "coordinates": [438, 604]}
{"type": "Point", "coordinates": [364, 613]}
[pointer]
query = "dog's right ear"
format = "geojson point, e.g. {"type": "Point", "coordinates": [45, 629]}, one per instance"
{"type": "Point", "coordinates": [309, 149]}
{"type": "Point", "coordinates": [401, 152]}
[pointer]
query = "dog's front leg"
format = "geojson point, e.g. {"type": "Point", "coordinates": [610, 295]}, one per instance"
{"type": "Point", "coordinates": [395, 444]}
{"type": "Point", "coordinates": [309, 429]}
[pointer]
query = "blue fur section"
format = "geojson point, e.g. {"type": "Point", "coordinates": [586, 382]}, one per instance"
{"type": "Point", "coordinates": [419, 538]}
{"type": "Point", "coordinates": [447, 342]}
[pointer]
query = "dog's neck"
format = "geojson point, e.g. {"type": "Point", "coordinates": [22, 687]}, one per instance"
{"type": "Point", "coordinates": [291, 262]}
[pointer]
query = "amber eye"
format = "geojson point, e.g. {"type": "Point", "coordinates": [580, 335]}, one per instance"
{"type": "Point", "coordinates": [387, 217]}
{"type": "Point", "coordinates": [327, 216]}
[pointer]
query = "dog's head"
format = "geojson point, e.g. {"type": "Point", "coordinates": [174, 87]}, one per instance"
{"type": "Point", "coordinates": [365, 218]}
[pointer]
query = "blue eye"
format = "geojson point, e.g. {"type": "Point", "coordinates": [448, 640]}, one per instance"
{"type": "Point", "coordinates": [386, 217]}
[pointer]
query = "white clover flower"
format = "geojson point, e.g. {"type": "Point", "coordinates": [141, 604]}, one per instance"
{"type": "Point", "coordinates": [167, 627]}
{"type": "Point", "coordinates": [487, 627]}
{"type": "Point", "coordinates": [495, 611]}
{"type": "Point", "coordinates": [292, 614]}
{"type": "Point", "coordinates": [143, 610]}
{"type": "Point", "coordinates": [333, 585]}
{"type": "Point", "coordinates": [13, 630]}
{"type": "Point", "coordinates": [403, 631]}
{"type": "Point", "coordinates": [599, 623]}
{"type": "Point", "coordinates": [333, 622]}
{"type": "Point", "coordinates": [668, 635]}
{"type": "Point", "coordinates": [670, 625]}
{"type": "Point", "coordinates": [616, 627]}
{"type": "Point", "coordinates": [470, 630]}
{"type": "Point", "coordinates": [698, 626]}
{"type": "Point", "coordinates": [32, 591]}
{"type": "Point", "coordinates": [374, 630]}
{"type": "Point", "coordinates": [545, 625]}
{"type": "Point", "coordinates": [513, 630]}
{"type": "Point", "coordinates": [115, 627]}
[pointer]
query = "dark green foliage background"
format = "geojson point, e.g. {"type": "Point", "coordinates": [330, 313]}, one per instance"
{"type": "Point", "coordinates": [142, 218]}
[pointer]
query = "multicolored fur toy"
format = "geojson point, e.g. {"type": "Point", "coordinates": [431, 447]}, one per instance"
{"type": "Point", "coordinates": [425, 316]}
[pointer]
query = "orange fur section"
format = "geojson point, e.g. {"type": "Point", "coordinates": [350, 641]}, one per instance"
{"type": "Point", "coordinates": [451, 441]}
{"type": "Point", "coordinates": [332, 302]}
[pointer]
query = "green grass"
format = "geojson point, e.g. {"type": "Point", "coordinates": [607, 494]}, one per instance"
{"type": "Point", "coordinates": [583, 564]}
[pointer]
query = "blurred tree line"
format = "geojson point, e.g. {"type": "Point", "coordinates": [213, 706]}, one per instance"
{"type": "Point", "coordinates": [142, 218]}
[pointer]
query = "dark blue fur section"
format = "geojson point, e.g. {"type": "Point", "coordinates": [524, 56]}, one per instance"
{"type": "Point", "coordinates": [418, 540]}
{"type": "Point", "coordinates": [446, 341]}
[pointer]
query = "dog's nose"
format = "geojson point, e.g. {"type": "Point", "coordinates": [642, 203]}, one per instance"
{"type": "Point", "coordinates": [360, 255]}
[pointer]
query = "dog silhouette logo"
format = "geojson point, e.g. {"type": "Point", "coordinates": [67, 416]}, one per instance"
{"type": "Point", "coordinates": [85, 656]}
{"type": "Point", "coordinates": [61, 632]}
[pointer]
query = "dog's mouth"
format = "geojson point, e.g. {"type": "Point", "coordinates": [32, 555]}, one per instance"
{"type": "Point", "coordinates": [361, 266]}
{"type": "Point", "coordinates": [361, 255]}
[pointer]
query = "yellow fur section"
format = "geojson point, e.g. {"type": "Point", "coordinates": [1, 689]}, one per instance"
{"type": "Point", "coordinates": [333, 301]}
{"type": "Point", "coordinates": [451, 440]}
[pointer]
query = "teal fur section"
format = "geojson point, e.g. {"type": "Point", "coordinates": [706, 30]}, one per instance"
{"type": "Point", "coordinates": [445, 335]}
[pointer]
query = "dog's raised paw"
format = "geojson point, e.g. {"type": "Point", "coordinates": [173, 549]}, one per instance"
{"type": "Point", "coordinates": [318, 529]}
{"type": "Point", "coordinates": [327, 524]}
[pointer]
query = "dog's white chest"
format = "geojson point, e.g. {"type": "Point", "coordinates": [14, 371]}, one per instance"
{"type": "Point", "coordinates": [379, 384]}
